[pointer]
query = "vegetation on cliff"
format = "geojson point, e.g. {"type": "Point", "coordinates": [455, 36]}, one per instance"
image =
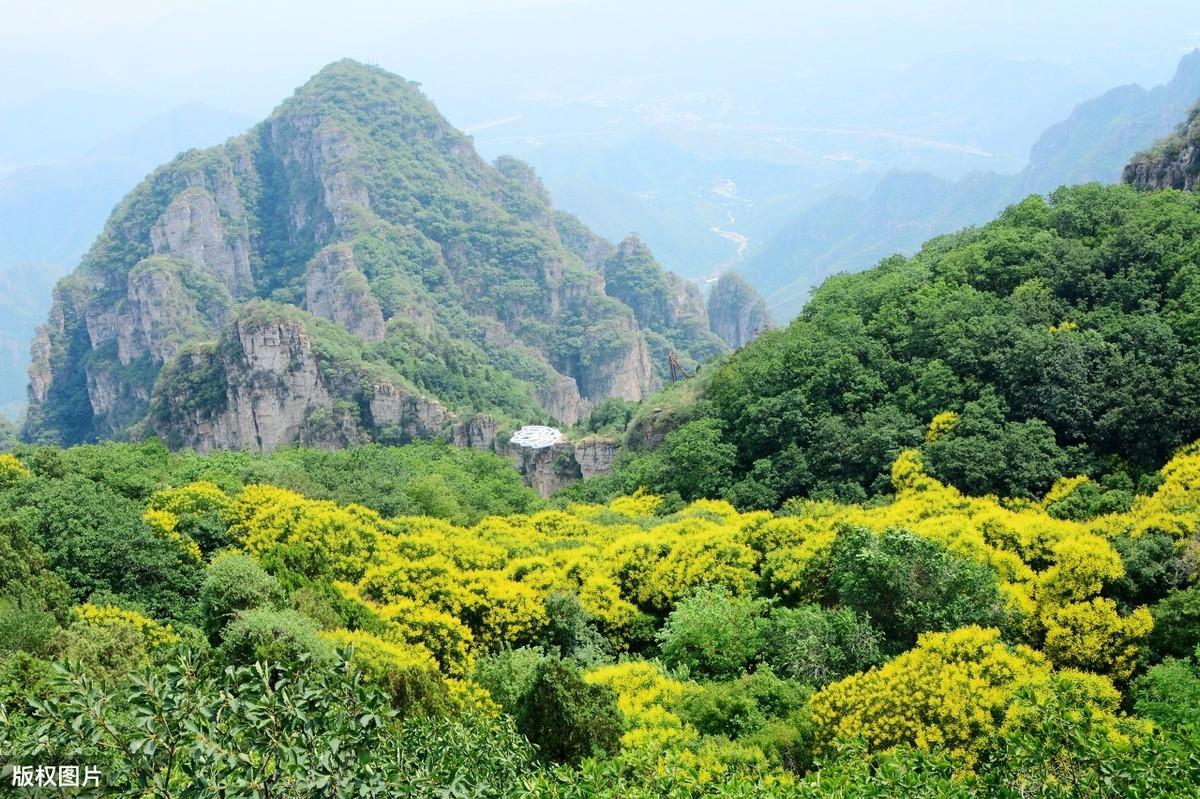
{"type": "Point", "coordinates": [359, 203]}
{"type": "Point", "coordinates": [1060, 339]}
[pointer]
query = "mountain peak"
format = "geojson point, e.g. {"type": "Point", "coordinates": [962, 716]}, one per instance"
{"type": "Point", "coordinates": [412, 280]}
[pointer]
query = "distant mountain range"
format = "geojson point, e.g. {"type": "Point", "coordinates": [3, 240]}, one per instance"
{"type": "Point", "coordinates": [848, 233]}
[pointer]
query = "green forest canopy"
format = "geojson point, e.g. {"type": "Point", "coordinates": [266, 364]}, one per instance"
{"type": "Point", "coordinates": [1063, 336]}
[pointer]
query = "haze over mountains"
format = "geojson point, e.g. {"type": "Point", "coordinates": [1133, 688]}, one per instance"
{"type": "Point", "coordinates": [54, 203]}
{"type": "Point", "coordinates": [847, 232]}
{"type": "Point", "coordinates": [706, 165]}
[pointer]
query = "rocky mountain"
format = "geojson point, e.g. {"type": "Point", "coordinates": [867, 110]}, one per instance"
{"type": "Point", "coordinates": [736, 312]}
{"type": "Point", "coordinates": [1173, 163]}
{"type": "Point", "coordinates": [670, 309]}
{"type": "Point", "coordinates": [349, 270]}
{"type": "Point", "coordinates": [50, 212]}
{"type": "Point", "coordinates": [849, 233]}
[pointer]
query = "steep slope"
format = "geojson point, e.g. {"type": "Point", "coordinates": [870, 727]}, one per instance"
{"type": "Point", "coordinates": [846, 233]}
{"type": "Point", "coordinates": [1173, 163]}
{"type": "Point", "coordinates": [347, 270]}
{"type": "Point", "coordinates": [50, 212]}
{"type": "Point", "coordinates": [670, 308]}
{"type": "Point", "coordinates": [735, 311]}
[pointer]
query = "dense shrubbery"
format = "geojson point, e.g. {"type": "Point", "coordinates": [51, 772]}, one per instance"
{"type": "Point", "coordinates": [933, 644]}
{"type": "Point", "coordinates": [1063, 338]}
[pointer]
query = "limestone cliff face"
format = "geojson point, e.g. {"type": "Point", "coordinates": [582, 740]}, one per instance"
{"type": "Point", "coordinates": [736, 312]}
{"type": "Point", "coordinates": [355, 202]}
{"type": "Point", "coordinates": [277, 392]}
{"type": "Point", "coordinates": [1174, 163]}
{"type": "Point", "coordinates": [192, 229]}
{"type": "Point", "coordinates": [669, 309]}
{"type": "Point", "coordinates": [595, 456]}
{"type": "Point", "coordinates": [336, 290]}
{"type": "Point", "coordinates": [550, 469]}
{"type": "Point", "coordinates": [626, 371]}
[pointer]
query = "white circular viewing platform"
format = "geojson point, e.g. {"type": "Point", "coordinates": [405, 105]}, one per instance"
{"type": "Point", "coordinates": [536, 436]}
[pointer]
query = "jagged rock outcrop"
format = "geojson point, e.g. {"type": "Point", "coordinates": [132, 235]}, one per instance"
{"type": "Point", "coordinates": [478, 432]}
{"type": "Point", "coordinates": [360, 204]}
{"type": "Point", "coordinates": [1173, 163]}
{"type": "Point", "coordinates": [549, 469]}
{"type": "Point", "coordinates": [669, 308]}
{"type": "Point", "coordinates": [265, 384]}
{"type": "Point", "coordinates": [336, 290]}
{"type": "Point", "coordinates": [589, 247]}
{"type": "Point", "coordinates": [736, 312]}
{"type": "Point", "coordinates": [192, 229]}
{"type": "Point", "coordinates": [595, 456]}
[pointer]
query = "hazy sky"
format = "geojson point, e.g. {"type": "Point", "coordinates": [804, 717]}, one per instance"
{"type": "Point", "coordinates": [475, 56]}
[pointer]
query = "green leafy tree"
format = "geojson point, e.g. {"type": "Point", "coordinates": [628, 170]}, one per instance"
{"type": "Point", "coordinates": [816, 645]}
{"type": "Point", "coordinates": [566, 718]}
{"type": "Point", "coordinates": [1176, 631]}
{"type": "Point", "coordinates": [276, 636]}
{"type": "Point", "coordinates": [712, 633]}
{"type": "Point", "coordinates": [235, 583]}
{"type": "Point", "coordinates": [908, 585]}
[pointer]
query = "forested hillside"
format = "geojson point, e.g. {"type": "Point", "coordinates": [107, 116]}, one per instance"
{"type": "Point", "coordinates": [1059, 339]}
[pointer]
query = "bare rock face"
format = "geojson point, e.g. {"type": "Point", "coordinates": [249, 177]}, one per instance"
{"type": "Point", "coordinates": [478, 432]}
{"type": "Point", "coordinates": [627, 372]}
{"type": "Point", "coordinates": [404, 416]}
{"type": "Point", "coordinates": [192, 229]}
{"type": "Point", "coordinates": [272, 383]}
{"type": "Point", "coordinates": [562, 401]}
{"type": "Point", "coordinates": [39, 368]}
{"type": "Point", "coordinates": [736, 312]}
{"type": "Point", "coordinates": [595, 456]}
{"type": "Point", "coordinates": [1174, 163]}
{"type": "Point", "coordinates": [548, 469]}
{"type": "Point", "coordinates": [336, 290]}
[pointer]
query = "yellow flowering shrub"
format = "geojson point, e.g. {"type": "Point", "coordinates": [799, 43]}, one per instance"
{"type": "Point", "coordinates": [644, 695]}
{"type": "Point", "coordinates": [312, 537]}
{"type": "Point", "coordinates": [447, 638]}
{"type": "Point", "coordinates": [154, 634]}
{"type": "Point", "coordinates": [1084, 693]}
{"type": "Point", "coordinates": [12, 471]}
{"type": "Point", "coordinates": [1093, 636]}
{"type": "Point", "coordinates": [951, 691]}
{"type": "Point", "coordinates": [201, 509]}
{"type": "Point", "coordinates": [708, 558]}
{"type": "Point", "coordinates": [454, 592]}
{"type": "Point", "coordinates": [166, 525]}
{"type": "Point", "coordinates": [640, 505]}
{"type": "Point", "coordinates": [941, 425]}
{"type": "Point", "coordinates": [1174, 508]}
{"type": "Point", "coordinates": [407, 672]}
{"type": "Point", "coordinates": [1082, 565]}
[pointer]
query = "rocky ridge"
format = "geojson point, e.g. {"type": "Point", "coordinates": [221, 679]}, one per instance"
{"type": "Point", "coordinates": [736, 312]}
{"type": "Point", "coordinates": [1173, 163]}
{"type": "Point", "coordinates": [347, 271]}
